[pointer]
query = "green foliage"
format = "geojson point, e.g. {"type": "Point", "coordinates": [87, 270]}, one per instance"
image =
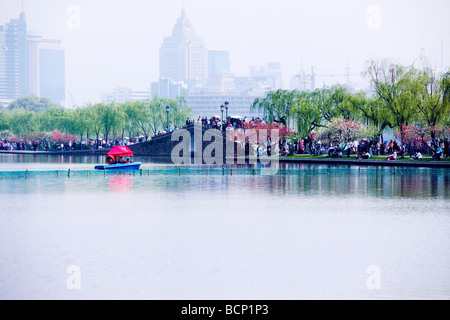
{"type": "Point", "coordinates": [110, 117]}
{"type": "Point", "coordinates": [104, 120]}
{"type": "Point", "coordinates": [402, 96]}
{"type": "Point", "coordinates": [137, 115]}
{"type": "Point", "coordinates": [4, 120]}
{"type": "Point", "coordinates": [305, 112]}
{"type": "Point", "coordinates": [393, 87]}
{"type": "Point", "coordinates": [52, 118]}
{"type": "Point", "coordinates": [178, 112]}
{"type": "Point", "coordinates": [309, 110]}
{"type": "Point", "coordinates": [275, 105]}
{"type": "Point", "coordinates": [23, 122]}
{"type": "Point", "coordinates": [31, 103]}
{"type": "Point", "coordinates": [430, 95]}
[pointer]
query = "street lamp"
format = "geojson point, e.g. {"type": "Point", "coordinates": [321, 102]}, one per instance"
{"type": "Point", "coordinates": [167, 118]}
{"type": "Point", "coordinates": [226, 108]}
{"type": "Point", "coordinates": [221, 110]}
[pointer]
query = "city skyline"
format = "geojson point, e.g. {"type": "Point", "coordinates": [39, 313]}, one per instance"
{"type": "Point", "coordinates": [30, 65]}
{"type": "Point", "coordinates": [112, 44]}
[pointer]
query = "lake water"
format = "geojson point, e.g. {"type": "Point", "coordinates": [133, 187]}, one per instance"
{"type": "Point", "coordinates": [309, 232]}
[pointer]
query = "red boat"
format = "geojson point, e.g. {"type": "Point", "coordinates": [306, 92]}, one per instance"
{"type": "Point", "coordinates": [118, 159]}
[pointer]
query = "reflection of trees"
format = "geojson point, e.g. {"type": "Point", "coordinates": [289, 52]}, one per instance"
{"type": "Point", "coordinates": [292, 181]}
{"type": "Point", "coordinates": [322, 182]}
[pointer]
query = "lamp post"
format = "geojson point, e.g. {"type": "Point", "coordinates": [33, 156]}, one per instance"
{"type": "Point", "coordinates": [226, 108]}
{"type": "Point", "coordinates": [167, 117]}
{"type": "Point", "coordinates": [221, 110]}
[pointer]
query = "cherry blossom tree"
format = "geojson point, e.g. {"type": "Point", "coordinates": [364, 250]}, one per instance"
{"type": "Point", "coordinates": [342, 130]}
{"type": "Point", "coordinates": [59, 137]}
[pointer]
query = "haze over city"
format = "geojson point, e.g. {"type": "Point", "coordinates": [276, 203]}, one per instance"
{"type": "Point", "coordinates": [112, 43]}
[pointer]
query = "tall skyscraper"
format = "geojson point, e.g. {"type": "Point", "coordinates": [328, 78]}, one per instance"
{"type": "Point", "coordinates": [274, 72]}
{"type": "Point", "coordinates": [47, 69]}
{"type": "Point", "coordinates": [14, 59]}
{"type": "Point", "coordinates": [167, 88]}
{"type": "Point", "coordinates": [184, 56]}
{"type": "Point", "coordinates": [218, 63]}
{"type": "Point", "coordinates": [30, 64]}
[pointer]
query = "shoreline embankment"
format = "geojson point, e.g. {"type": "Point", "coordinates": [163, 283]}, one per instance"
{"type": "Point", "coordinates": [281, 159]}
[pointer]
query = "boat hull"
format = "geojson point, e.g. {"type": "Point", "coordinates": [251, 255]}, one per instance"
{"type": "Point", "coordinates": [119, 166]}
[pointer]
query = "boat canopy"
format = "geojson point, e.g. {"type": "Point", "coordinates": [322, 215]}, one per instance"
{"type": "Point", "coordinates": [121, 151]}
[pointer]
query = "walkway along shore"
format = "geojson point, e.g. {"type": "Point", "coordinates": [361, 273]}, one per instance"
{"type": "Point", "coordinates": [58, 153]}
{"type": "Point", "coordinates": [342, 161]}
{"type": "Point", "coordinates": [393, 163]}
{"type": "Point", "coordinates": [281, 159]}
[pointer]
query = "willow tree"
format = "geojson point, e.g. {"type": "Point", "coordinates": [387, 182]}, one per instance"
{"type": "Point", "coordinates": [110, 118]}
{"type": "Point", "coordinates": [81, 123]}
{"type": "Point", "coordinates": [275, 106]}
{"type": "Point", "coordinates": [51, 119]}
{"type": "Point", "coordinates": [157, 108]}
{"type": "Point", "coordinates": [179, 111]}
{"type": "Point", "coordinates": [371, 110]}
{"type": "Point", "coordinates": [4, 120]}
{"type": "Point", "coordinates": [392, 86]}
{"type": "Point", "coordinates": [446, 98]}
{"type": "Point", "coordinates": [138, 115]}
{"type": "Point", "coordinates": [307, 116]}
{"type": "Point", "coordinates": [91, 119]}
{"type": "Point", "coordinates": [310, 110]}
{"type": "Point", "coordinates": [431, 96]}
{"type": "Point", "coordinates": [333, 102]}
{"type": "Point", "coordinates": [430, 92]}
{"type": "Point", "coordinates": [22, 122]}
{"type": "Point", "coordinates": [95, 114]}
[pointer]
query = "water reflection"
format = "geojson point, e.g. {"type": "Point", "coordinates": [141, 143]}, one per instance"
{"type": "Point", "coordinates": [292, 179]}
{"type": "Point", "coordinates": [122, 183]}
{"type": "Point", "coordinates": [38, 162]}
{"type": "Point", "coordinates": [407, 184]}
{"type": "Point", "coordinates": [308, 231]}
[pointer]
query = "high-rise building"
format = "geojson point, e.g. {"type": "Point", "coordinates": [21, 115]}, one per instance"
{"type": "Point", "coordinates": [30, 64]}
{"type": "Point", "coordinates": [274, 72]}
{"type": "Point", "coordinates": [218, 63]}
{"type": "Point", "coordinates": [209, 105]}
{"type": "Point", "coordinates": [47, 69]}
{"type": "Point", "coordinates": [204, 77]}
{"type": "Point", "coordinates": [13, 59]}
{"type": "Point", "coordinates": [167, 88]}
{"type": "Point", "coordinates": [184, 56]}
{"type": "Point", "coordinates": [257, 72]}
{"type": "Point", "coordinates": [124, 94]}
{"type": "Point", "coordinates": [271, 72]}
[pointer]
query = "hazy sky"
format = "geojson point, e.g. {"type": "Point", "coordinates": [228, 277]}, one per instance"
{"type": "Point", "coordinates": [114, 43]}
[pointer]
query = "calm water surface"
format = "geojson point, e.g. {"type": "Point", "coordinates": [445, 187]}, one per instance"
{"type": "Point", "coordinates": [312, 232]}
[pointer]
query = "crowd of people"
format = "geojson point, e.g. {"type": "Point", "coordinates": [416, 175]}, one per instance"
{"type": "Point", "coordinates": [24, 145]}
{"type": "Point", "coordinates": [214, 122]}
{"type": "Point", "coordinates": [392, 149]}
